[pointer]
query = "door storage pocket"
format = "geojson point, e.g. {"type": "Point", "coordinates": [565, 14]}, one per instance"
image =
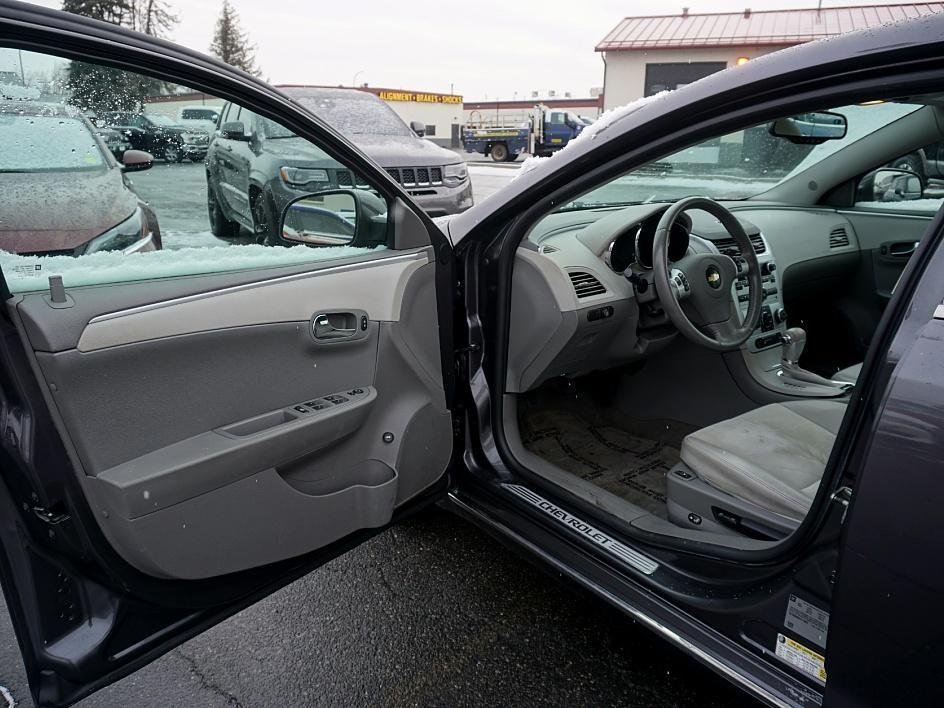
{"type": "Point", "coordinates": [256, 520]}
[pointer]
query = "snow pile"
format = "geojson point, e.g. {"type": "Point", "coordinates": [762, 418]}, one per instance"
{"type": "Point", "coordinates": [29, 273]}
{"type": "Point", "coordinates": [591, 131]}
{"type": "Point", "coordinates": [13, 92]}
{"type": "Point", "coordinates": [928, 205]}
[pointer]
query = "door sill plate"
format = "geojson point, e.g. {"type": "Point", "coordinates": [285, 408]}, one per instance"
{"type": "Point", "coordinates": [620, 551]}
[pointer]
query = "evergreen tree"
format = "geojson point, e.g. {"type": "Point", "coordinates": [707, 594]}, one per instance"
{"type": "Point", "coordinates": [100, 88]}
{"type": "Point", "coordinates": [231, 43]}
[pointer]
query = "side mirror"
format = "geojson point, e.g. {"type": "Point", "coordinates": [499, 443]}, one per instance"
{"type": "Point", "coordinates": [136, 161]}
{"type": "Point", "coordinates": [810, 128]}
{"type": "Point", "coordinates": [234, 130]}
{"type": "Point", "coordinates": [888, 184]}
{"type": "Point", "coordinates": [418, 127]}
{"type": "Point", "coordinates": [328, 218]}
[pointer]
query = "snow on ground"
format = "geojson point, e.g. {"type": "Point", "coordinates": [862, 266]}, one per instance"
{"type": "Point", "coordinates": [30, 273]}
{"type": "Point", "coordinates": [928, 205]}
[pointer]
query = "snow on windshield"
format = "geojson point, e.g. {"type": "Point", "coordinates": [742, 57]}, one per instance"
{"type": "Point", "coordinates": [46, 143]}
{"type": "Point", "coordinates": [351, 112]}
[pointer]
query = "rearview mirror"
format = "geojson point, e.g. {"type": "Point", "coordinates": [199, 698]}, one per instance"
{"type": "Point", "coordinates": [323, 219]}
{"type": "Point", "coordinates": [890, 185]}
{"type": "Point", "coordinates": [136, 160]}
{"type": "Point", "coordinates": [810, 128]}
{"type": "Point", "coordinates": [418, 127]}
{"type": "Point", "coordinates": [234, 130]}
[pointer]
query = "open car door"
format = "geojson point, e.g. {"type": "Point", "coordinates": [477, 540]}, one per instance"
{"type": "Point", "coordinates": [186, 429]}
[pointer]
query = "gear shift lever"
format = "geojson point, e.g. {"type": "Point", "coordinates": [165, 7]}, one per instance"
{"type": "Point", "coordinates": [794, 341]}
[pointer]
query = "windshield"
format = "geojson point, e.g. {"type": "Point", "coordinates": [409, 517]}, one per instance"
{"type": "Point", "coordinates": [47, 144]}
{"type": "Point", "coordinates": [738, 165]}
{"type": "Point", "coordinates": [351, 112]}
{"type": "Point", "coordinates": [198, 114]}
{"type": "Point", "coordinates": [158, 119]}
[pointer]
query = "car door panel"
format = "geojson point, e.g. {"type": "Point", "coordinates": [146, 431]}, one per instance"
{"type": "Point", "coordinates": [202, 434]}
{"type": "Point", "coordinates": [887, 240]}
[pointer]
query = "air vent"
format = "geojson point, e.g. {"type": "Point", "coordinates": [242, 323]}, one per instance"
{"type": "Point", "coordinates": [728, 247]}
{"type": "Point", "coordinates": [547, 248]}
{"type": "Point", "coordinates": [585, 285]}
{"type": "Point", "coordinates": [838, 237]}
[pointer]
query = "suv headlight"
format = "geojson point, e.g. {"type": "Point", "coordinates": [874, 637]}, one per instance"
{"type": "Point", "coordinates": [300, 176]}
{"type": "Point", "coordinates": [129, 236]}
{"type": "Point", "coordinates": [454, 175]}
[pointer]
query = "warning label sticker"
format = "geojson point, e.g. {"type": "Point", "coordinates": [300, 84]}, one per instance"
{"type": "Point", "coordinates": [802, 658]}
{"type": "Point", "coordinates": [807, 620]}
{"type": "Point", "coordinates": [24, 270]}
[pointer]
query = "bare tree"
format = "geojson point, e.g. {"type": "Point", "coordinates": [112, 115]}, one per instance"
{"type": "Point", "coordinates": [231, 43]}
{"type": "Point", "coordinates": [152, 17]}
{"type": "Point", "coordinates": [101, 88]}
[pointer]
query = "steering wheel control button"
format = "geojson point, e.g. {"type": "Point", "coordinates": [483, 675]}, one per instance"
{"type": "Point", "coordinates": [713, 276]}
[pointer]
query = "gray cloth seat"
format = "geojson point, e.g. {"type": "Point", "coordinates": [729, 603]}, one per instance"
{"type": "Point", "coordinates": [850, 374]}
{"type": "Point", "coordinates": [773, 456]}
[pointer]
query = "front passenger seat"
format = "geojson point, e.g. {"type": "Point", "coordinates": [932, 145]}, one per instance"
{"type": "Point", "coordinates": [773, 456]}
{"type": "Point", "coordinates": [850, 374]}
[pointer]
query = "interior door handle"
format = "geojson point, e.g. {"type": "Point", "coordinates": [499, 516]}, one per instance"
{"type": "Point", "coordinates": [899, 249]}
{"type": "Point", "coordinates": [325, 329]}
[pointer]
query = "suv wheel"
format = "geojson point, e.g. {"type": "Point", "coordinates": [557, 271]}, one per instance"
{"type": "Point", "coordinates": [172, 153]}
{"type": "Point", "coordinates": [262, 220]}
{"type": "Point", "coordinates": [220, 226]}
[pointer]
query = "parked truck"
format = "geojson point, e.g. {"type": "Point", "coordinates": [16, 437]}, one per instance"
{"type": "Point", "coordinates": [543, 132]}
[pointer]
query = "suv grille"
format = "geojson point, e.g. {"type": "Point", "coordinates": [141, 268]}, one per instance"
{"type": "Point", "coordinates": [585, 284]}
{"type": "Point", "coordinates": [346, 178]}
{"type": "Point", "coordinates": [728, 247]}
{"type": "Point", "coordinates": [416, 176]}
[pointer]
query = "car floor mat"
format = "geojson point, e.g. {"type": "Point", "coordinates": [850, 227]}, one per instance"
{"type": "Point", "coordinates": [629, 459]}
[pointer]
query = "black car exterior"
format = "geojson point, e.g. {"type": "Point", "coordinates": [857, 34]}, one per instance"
{"type": "Point", "coordinates": [158, 135]}
{"type": "Point", "coordinates": [867, 549]}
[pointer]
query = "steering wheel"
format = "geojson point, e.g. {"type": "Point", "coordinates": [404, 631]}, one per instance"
{"type": "Point", "coordinates": [703, 282]}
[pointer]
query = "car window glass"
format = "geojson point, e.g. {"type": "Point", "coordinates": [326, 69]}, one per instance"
{"type": "Point", "coordinates": [738, 165]}
{"type": "Point", "coordinates": [107, 205]}
{"type": "Point", "coordinates": [910, 183]}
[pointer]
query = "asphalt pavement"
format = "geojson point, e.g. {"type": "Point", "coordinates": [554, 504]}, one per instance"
{"type": "Point", "coordinates": [431, 613]}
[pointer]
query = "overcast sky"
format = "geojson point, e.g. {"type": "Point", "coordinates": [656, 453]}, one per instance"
{"type": "Point", "coordinates": [481, 49]}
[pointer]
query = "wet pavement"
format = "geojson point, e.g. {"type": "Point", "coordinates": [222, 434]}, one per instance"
{"type": "Point", "coordinates": [431, 613]}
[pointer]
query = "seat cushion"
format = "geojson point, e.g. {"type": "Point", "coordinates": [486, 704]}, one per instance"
{"type": "Point", "coordinates": [773, 456]}
{"type": "Point", "coordinates": [849, 374]}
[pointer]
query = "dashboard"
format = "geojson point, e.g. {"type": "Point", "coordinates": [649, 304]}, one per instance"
{"type": "Point", "coordinates": [583, 297]}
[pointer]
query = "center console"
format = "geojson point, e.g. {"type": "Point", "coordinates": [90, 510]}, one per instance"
{"type": "Point", "coordinates": [763, 350]}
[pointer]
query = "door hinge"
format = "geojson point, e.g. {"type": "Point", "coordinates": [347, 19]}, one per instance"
{"type": "Point", "coordinates": [52, 514]}
{"type": "Point", "coordinates": [843, 496]}
{"type": "Point", "coordinates": [467, 349]}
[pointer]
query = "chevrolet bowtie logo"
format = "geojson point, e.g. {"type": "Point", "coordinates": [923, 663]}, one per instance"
{"type": "Point", "coordinates": [713, 276]}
